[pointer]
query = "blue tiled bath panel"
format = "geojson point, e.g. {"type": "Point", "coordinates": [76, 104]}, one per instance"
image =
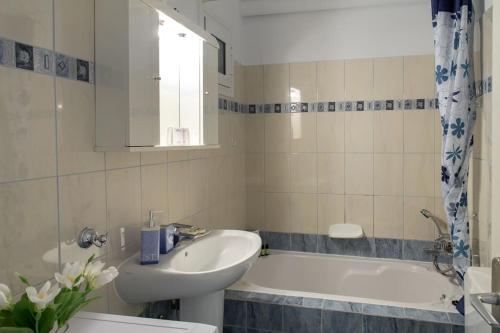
{"type": "Point", "coordinates": [301, 314]}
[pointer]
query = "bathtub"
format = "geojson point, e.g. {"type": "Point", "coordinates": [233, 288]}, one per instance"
{"type": "Point", "coordinates": [408, 292]}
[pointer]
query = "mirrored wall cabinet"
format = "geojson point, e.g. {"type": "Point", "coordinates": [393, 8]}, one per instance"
{"type": "Point", "coordinates": [156, 79]}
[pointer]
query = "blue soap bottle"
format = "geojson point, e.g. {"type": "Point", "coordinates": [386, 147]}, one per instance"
{"type": "Point", "coordinates": [150, 242]}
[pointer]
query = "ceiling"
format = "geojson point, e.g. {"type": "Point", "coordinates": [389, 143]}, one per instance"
{"type": "Point", "coordinates": [273, 7]}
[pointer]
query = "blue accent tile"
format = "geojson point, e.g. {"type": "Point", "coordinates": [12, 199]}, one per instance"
{"type": "Point", "coordinates": [301, 320]}
{"type": "Point", "coordinates": [306, 302]}
{"type": "Point", "coordinates": [267, 108]}
{"type": "Point", "coordinates": [7, 52]}
{"type": "Point", "coordinates": [408, 104]}
{"type": "Point", "coordinates": [331, 106]}
{"type": "Point", "coordinates": [43, 61]}
{"type": "Point", "coordinates": [329, 245]}
{"type": "Point", "coordinates": [348, 106]}
{"type": "Point", "coordinates": [62, 66]}
{"type": "Point", "coordinates": [414, 250]}
{"type": "Point", "coordinates": [388, 248]}
{"type": "Point", "coordinates": [413, 326]}
{"type": "Point", "coordinates": [322, 107]}
{"type": "Point", "coordinates": [427, 315]}
{"type": "Point", "coordinates": [252, 108]}
{"type": "Point", "coordinates": [235, 313]}
{"type": "Point", "coordinates": [233, 329]}
{"type": "Point", "coordinates": [334, 321]}
{"type": "Point", "coordinates": [24, 56]}
{"type": "Point", "coordinates": [342, 306]}
{"type": "Point", "coordinates": [304, 107]}
{"type": "Point", "coordinates": [377, 105]}
{"type": "Point", "coordinates": [372, 324]}
{"type": "Point", "coordinates": [420, 104]}
{"type": "Point", "coordinates": [294, 107]}
{"type": "Point", "coordinates": [277, 108]}
{"type": "Point", "coordinates": [457, 329]}
{"type": "Point", "coordinates": [276, 240]}
{"type": "Point", "coordinates": [82, 70]}
{"type": "Point", "coordinates": [389, 104]}
{"type": "Point", "coordinates": [267, 298]}
{"type": "Point", "coordinates": [264, 316]}
{"type": "Point", "coordinates": [456, 318]}
{"type": "Point", "coordinates": [360, 106]}
{"type": "Point", "coordinates": [304, 242]}
{"type": "Point", "coordinates": [383, 310]}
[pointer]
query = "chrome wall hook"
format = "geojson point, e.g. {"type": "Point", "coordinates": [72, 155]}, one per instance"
{"type": "Point", "coordinates": [88, 237]}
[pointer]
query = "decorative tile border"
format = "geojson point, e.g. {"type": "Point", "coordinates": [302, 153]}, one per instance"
{"type": "Point", "coordinates": [226, 104]}
{"type": "Point", "coordinates": [14, 54]}
{"type": "Point", "coordinates": [362, 247]}
{"type": "Point", "coordinates": [251, 310]}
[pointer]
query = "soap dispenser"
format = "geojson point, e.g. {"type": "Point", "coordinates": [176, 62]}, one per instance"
{"type": "Point", "coordinates": [150, 242]}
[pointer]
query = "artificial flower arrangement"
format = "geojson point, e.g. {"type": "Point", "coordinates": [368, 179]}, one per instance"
{"type": "Point", "coordinates": [52, 306]}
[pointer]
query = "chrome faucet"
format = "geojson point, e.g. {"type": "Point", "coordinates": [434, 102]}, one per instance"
{"type": "Point", "coordinates": [428, 215]}
{"type": "Point", "coordinates": [184, 232]}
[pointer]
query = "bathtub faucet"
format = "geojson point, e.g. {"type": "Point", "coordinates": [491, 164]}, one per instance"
{"type": "Point", "coordinates": [428, 215]}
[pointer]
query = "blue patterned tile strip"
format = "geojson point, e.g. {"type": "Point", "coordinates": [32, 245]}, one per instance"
{"type": "Point", "coordinates": [363, 247]}
{"type": "Point", "coordinates": [303, 315]}
{"type": "Point", "coordinates": [43, 61]}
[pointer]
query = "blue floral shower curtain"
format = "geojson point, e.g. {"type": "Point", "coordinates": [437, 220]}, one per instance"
{"type": "Point", "coordinates": [453, 25]}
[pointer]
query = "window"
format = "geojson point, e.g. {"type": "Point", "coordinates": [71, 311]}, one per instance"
{"type": "Point", "coordinates": [222, 55]}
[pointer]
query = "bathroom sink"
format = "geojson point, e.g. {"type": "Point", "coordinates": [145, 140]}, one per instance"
{"type": "Point", "coordinates": [195, 268]}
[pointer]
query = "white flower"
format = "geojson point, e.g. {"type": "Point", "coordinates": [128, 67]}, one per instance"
{"type": "Point", "coordinates": [105, 277]}
{"type": "Point", "coordinates": [5, 296]}
{"type": "Point", "coordinates": [44, 296]}
{"type": "Point", "coordinates": [94, 269]}
{"type": "Point", "coordinates": [70, 274]}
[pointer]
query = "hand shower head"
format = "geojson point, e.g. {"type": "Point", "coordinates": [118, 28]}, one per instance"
{"type": "Point", "coordinates": [425, 213]}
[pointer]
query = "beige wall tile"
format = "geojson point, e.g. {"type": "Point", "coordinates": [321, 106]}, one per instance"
{"type": "Point", "coordinates": [330, 211]}
{"type": "Point", "coordinates": [331, 172]}
{"type": "Point", "coordinates": [29, 217]}
{"type": "Point", "coordinates": [388, 217]}
{"type": "Point", "coordinates": [255, 210]}
{"type": "Point", "coordinates": [358, 79]}
{"type": "Point", "coordinates": [254, 84]}
{"type": "Point", "coordinates": [158, 157]}
{"type": "Point", "coordinates": [303, 138]}
{"type": "Point", "coordinates": [359, 174]}
{"type": "Point", "coordinates": [197, 198]}
{"type": "Point", "coordinates": [27, 124]}
{"type": "Point", "coordinates": [123, 197]}
{"type": "Point", "coordinates": [388, 78]}
{"type": "Point", "coordinates": [416, 226]}
{"type": "Point", "coordinates": [277, 212]}
{"type": "Point", "coordinates": [419, 79]}
{"type": "Point", "coordinates": [239, 82]}
{"type": "Point", "coordinates": [118, 160]}
{"type": "Point", "coordinates": [330, 129]}
{"type": "Point", "coordinates": [278, 133]}
{"type": "Point", "coordinates": [303, 213]}
{"type": "Point", "coordinates": [76, 128]}
{"type": "Point", "coordinates": [388, 174]}
{"type": "Point", "coordinates": [276, 83]}
{"type": "Point", "coordinates": [177, 155]}
{"type": "Point", "coordinates": [303, 177]}
{"type": "Point", "coordinates": [255, 172]}
{"type": "Point", "coordinates": [178, 178]}
{"type": "Point", "coordinates": [487, 45]}
{"type": "Point", "coordinates": [331, 83]}
{"type": "Point", "coordinates": [255, 129]}
{"type": "Point", "coordinates": [359, 132]}
{"type": "Point", "coordinates": [277, 173]}
{"type": "Point", "coordinates": [303, 82]}
{"type": "Point", "coordinates": [27, 21]}
{"type": "Point", "coordinates": [75, 18]}
{"type": "Point", "coordinates": [82, 203]}
{"type": "Point", "coordinates": [437, 175]}
{"type": "Point", "coordinates": [154, 192]}
{"type": "Point", "coordinates": [359, 210]}
{"type": "Point", "coordinates": [419, 174]}
{"type": "Point", "coordinates": [419, 131]}
{"type": "Point", "coordinates": [388, 132]}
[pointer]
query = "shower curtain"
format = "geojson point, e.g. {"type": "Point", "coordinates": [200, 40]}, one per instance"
{"type": "Point", "coordinates": [453, 26]}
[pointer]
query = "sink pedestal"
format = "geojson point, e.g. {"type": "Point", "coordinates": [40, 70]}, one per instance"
{"type": "Point", "coordinates": [205, 309]}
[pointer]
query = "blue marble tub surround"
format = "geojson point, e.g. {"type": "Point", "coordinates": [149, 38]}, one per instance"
{"type": "Point", "coordinates": [235, 313]}
{"type": "Point", "coordinates": [301, 320]}
{"type": "Point", "coordinates": [334, 321]}
{"type": "Point", "coordinates": [406, 249]}
{"type": "Point", "coordinates": [343, 306]}
{"type": "Point", "coordinates": [265, 316]}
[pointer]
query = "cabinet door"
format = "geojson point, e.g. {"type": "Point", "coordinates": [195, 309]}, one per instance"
{"type": "Point", "coordinates": [210, 95]}
{"type": "Point", "coordinates": [144, 78]}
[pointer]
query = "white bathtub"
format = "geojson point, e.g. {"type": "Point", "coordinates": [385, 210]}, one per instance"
{"type": "Point", "coordinates": [404, 284]}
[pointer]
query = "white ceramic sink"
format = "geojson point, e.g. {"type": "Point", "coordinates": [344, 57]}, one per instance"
{"type": "Point", "coordinates": [199, 267]}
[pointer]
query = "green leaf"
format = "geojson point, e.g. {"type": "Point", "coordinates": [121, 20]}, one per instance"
{"type": "Point", "coordinates": [24, 312]}
{"type": "Point", "coordinates": [23, 279]}
{"type": "Point", "coordinates": [47, 320]}
{"type": "Point", "coordinates": [15, 330]}
{"type": "Point", "coordinates": [6, 318]}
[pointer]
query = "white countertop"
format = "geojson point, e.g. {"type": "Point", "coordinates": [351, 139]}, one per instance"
{"type": "Point", "coordinates": [87, 322]}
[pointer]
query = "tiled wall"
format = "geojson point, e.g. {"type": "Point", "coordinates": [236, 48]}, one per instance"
{"type": "Point", "coordinates": [481, 166]}
{"type": "Point", "coordinates": [306, 171]}
{"type": "Point", "coordinates": [52, 184]}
